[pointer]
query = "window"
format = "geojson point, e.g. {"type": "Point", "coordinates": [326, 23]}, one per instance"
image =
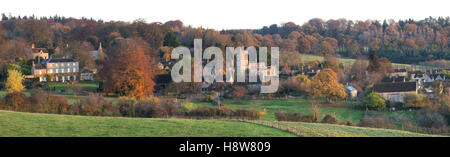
{"type": "Point", "coordinates": [68, 70]}
{"type": "Point", "coordinates": [62, 70]}
{"type": "Point", "coordinates": [57, 71]}
{"type": "Point", "coordinates": [50, 71]}
{"type": "Point", "coordinates": [40, 72]}
{"type": "Point", "coordinates": [74, 69]}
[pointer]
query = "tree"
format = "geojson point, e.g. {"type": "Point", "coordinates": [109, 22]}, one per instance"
{"type": "Point", "coordinates": [304, 46]}
{"type": "Point", "coordinates": [374, 66]}
{"type": "Point", "coordinates": [239, 91]}
{"type": "Point", "coordinates": [358, 70]}
{"type": "Point", "coordinates": [170, 39]}
{"type": "Point", "coordinates": [128, 70]}
{"type": "Point", "coordinates": [375, 102]}
{"type": "Point", "coordinates": [325, 84]}
{"type": "Point", "coordinates": [415, 101]}
{"type": "Point", "coordinates": [14, 81]}
{"type": "Point", "coordinates": [326, 49]}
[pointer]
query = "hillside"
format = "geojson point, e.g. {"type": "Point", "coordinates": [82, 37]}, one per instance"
{"type": "Point", "coordinates": [331, 130]}
{"type": "Point", "coordinates": [49, 125]}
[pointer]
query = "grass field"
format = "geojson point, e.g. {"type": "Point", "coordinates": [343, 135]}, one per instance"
{"type": "Point", "coordinates": [331, 130]}
{"type": "Point", "coordinates": [13, 124]}
{"type": "Point", "coordinates": [343, 113]}
{"type": "Point", "coordinates": [296, 104]}
{"type": "Point", "coordinates": [349, 62]}
{"type": "Point", "coordinates": [48, 125]}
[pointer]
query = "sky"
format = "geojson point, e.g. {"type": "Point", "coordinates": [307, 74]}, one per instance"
{"type": "Point", "coordinates": [230, 14]}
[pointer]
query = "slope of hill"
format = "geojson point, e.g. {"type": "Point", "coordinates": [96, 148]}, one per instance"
{"type": "Point", "coordinates": [332, 130]}
{"type": "Point", "coordinates": [17, 124]}
{"type": "Point", "coordinates": [51, 125]}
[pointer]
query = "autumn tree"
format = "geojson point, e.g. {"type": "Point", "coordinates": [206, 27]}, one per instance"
{"type": "Point", "coordinates": [239, 91]}
{"type": "Point", "coordinates": [304, 46]}
{"type": "Point", "coordinates": [326, 49]}
{"type": "Point", "coordinates": [325, 85]}
{"type": "Point", "coordinates": [358, 70]}
{"type": "Point", "coordinates": [14, 82]}
{"type": "Point", "coordinates": [128, 70]}
{"type": "Point", "coordinates": [374, 65]}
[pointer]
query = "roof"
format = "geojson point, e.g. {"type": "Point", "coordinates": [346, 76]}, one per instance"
{"type": "Point", "coordinates": [350, 88]}
{"type": "Point", "coordinates": [395, 87]}
{"type": "Point", "coordinates": [393, 79]}
{"type": "Point", "coordinates": [58, 60]}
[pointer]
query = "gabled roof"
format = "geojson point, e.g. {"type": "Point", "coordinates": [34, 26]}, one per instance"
{"type": "Point", "coordinates": [393, 79]}
{"type": "Point", "coordinates": [395, 87]}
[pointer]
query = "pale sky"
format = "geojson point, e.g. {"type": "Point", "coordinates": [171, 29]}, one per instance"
{"type": "Point", "coordinates": [230, 14]}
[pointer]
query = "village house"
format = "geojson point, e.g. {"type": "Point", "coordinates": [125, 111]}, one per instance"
{"type": "Point", "coordinates": [395, 92]}
{"type": "Point", "coordinates": [351, 92]}
{"type": "Point", "coordinates": [56, 69]}
{"type": "Point", "coordinates": [86, 75]}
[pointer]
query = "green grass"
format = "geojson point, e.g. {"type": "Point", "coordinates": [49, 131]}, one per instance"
{"type": "Point", "coordinates": [331, 130]}
{"type": "Point", "coordinates": [14, 124]}
{"type": "Point", "coordinates": [349, 61]}
{"type": "Point", "coordinates": [18, 124]}
{"type": "Point", "coordinates": [290, 105]}
{"type": "Point", "coordinates": [343, 113]}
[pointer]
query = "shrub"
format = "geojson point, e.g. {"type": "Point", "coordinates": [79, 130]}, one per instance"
{"type": "Point", "coordinates": [95, 105]}
{"type": "Point", "coordinates": [239, 92]}
{"type": "Point", "coordinates": [126, 108]}
{"type": "Point", "coordinates": [281, 116]}
{"type": "Point", "coordinates": [378, 122]}
{"type": "Point", "coordinates": [331, 119]}
{"type": "Point", "coordinates": [374, 102]}
{"type": "Point", "coordinates": [415, 101]}
{"type": "Point", "coordinates": [16, 101]}
{"type": "Point", "coordinates": [430, 119]}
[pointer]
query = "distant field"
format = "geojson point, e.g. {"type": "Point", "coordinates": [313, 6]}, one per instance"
{"type": "Point", "coordinates": [296, 104]}
{"type": "Point", "coordinates": [331, 130]}
{"type": "Point", "coordinates": [343, 113]}
{"type": "Point", "coordinates": [349, 62]}
{"type": "Point", "coordinates": [48, 125]}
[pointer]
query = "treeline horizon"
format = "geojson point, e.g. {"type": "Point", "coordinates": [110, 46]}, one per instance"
{"type": "Point", "coordinates": [403, 41]}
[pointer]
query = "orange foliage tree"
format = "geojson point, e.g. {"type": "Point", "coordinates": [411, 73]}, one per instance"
{"type": "Point", "coordinates": [325, 85]}
{"type": "Point", "coordinates": [127, 70]}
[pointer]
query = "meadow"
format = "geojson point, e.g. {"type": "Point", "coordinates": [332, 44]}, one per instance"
{"type": "Point", "coordinates": [14, 124]}
{"type": "Point", "coordinates": [19, 124]}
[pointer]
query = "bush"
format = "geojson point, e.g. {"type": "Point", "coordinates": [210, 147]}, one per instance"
{"type": "Point", "coordinates": [415, 101]}
{"type": "Point", "coordinates": [374, 102]}
{"type": "Point", "coordinates": [430, 119]}
{"type": "Point", "coordinates": [95, 105]}
{"type": "Point", "coordinates": [281, 116]}
{"type": "Point", "coordinates": [331, 119]}
{"type": "Point", "coordinates": [378, 122]}
{"type": "Point", "coordinates": [16, 101]}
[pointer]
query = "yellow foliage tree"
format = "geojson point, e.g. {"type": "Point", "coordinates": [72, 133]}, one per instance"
{"type": "Point", "coordinates": [14, 81]}
{"type": "Point", "coordinates": [325, 85]}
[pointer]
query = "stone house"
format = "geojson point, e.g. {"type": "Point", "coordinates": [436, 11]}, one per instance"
{"type": "Point", "coordinates": [395, 92]}
{"type": "Point", "coordinates": [56, 69]}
